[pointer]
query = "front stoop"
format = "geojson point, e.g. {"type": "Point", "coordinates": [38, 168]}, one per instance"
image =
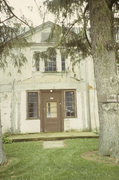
{"type": "Point", "coordinates": [51, 136]}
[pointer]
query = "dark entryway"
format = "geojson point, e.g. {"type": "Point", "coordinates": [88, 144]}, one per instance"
{"type": "Point", "coordinates": [51, 110]}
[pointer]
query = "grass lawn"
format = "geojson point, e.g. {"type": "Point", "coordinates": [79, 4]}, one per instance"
{"type": "Point", "coordinates": [29, 161]}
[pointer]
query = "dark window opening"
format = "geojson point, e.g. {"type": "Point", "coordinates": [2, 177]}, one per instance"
{"type": "Point", "coordinates": [63, 62]}
{"type": "Point", "coordinates": [36, 57]}
{"type": "Point", "coordinates": [116, 33]}
{"type": "Point", "coordinates": [37, 65]}
{"type": "Point", "coordinates": [32, 104]}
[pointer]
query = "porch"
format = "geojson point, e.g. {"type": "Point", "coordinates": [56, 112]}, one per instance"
{"type": "Point", "coordinates": [52, 136]}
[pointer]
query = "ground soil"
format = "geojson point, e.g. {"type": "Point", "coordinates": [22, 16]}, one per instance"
{"type": "Point", "coordinates": [94, 156]}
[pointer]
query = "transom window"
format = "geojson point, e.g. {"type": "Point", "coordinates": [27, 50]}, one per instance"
{"type": "Point", "coordinates": [32, 105]}
{"type": "Point", "coordinates": [50, 65]}
{"type": "Point", "coordinates": [70, 104]}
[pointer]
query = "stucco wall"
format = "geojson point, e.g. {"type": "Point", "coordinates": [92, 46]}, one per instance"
{"type": "Point", "coordinates": [13, 88]}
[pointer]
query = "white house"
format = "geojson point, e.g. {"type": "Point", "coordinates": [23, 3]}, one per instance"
{"type": "Point", "coordinates": [48, 96]}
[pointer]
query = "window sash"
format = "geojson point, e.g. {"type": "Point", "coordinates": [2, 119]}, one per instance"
{"type": "Point", "coordinates": [50, 65]}
{"type": "Point", "coordinates": [32, 105]}
{"type": "Point", "coordinates": [70, 107]}
{"type": "Point", "coordinates": [63, 63]}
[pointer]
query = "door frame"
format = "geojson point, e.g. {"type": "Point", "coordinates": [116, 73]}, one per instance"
{"type": "Point", "coordinates": [42, 126]}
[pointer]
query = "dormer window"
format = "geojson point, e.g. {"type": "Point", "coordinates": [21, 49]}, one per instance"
{"type": "Point", "coordinates": [44, 36]}
{"type": "Point", "coordinates": [50, 64]}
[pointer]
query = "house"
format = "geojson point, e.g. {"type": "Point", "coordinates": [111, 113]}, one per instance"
{"type": "Point", "coordinates": [48, 96]}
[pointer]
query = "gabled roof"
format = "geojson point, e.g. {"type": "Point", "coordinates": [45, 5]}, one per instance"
{"type": "Point", "coordinates": [39, 28]}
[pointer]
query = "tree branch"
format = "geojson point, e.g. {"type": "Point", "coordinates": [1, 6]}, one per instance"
{"type": "Point", "coordinates": [85, 25]}
{"type": "Point", "coordinates": [6, 19]}
{"type": "Point", "coordinates": [70, 27]}
{"type": "Point", "coordinates": [14, 14]}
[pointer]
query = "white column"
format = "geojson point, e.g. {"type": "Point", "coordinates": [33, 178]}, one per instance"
{"type": "Point", "coordinates": [68, 64]}
{"type": "Point", "coordinates": [42, 65]}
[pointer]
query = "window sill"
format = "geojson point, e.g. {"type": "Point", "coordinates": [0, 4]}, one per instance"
{"type": "Point", "coordinates": [73, 117]}
{"type": "Point", "coordinates": [48, 72]}
{"type": "Point", "coordinates": [30, 119]}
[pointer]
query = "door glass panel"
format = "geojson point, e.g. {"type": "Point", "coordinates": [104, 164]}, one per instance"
{"type": "Point", "coordinates": [51, 109]}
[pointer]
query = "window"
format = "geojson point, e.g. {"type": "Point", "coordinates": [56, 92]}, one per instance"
{"type": "Point", "coordinates": [63, 62]}
{"type": "Point", "coordinates": [51, 109]}
{"type": "Point", "coordinates": [32, 105]}
{"type": "Point", "coordinates": [116, 33]}
{"type": "Point", "coordinates": [44, 36]}
{"type": "Point", "coordinates": [50, 65]}
{"type": "Point", "coordinates": [70, 104]}
{"type": "Point", "coordinates": [37, 65]}
{"type": "Point", "coordinates": [36, 57]}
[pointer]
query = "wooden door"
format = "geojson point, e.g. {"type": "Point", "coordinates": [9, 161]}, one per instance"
{"type": "Point", "coordinates": [51, 111]}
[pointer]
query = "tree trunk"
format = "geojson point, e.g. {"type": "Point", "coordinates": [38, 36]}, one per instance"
{"type": "Point", "coordinates": [103, 52]}
{"type": "Point", "coordinates": [3, 159]}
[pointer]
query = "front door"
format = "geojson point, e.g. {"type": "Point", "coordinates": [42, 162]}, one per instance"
{"type": "Point", "coordinates": [51, 111]}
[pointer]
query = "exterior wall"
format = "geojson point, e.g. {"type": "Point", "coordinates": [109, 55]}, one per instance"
{"type": "Point", "coordinates": [87, 117]}
{"type": "Point", "coordinates": [5, 106]}
{"type": "Point", "coordinates": [14, 87]}
{"type": "Point", "coordinates": [28, 126]}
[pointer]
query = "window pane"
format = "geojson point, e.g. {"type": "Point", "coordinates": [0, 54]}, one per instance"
{"type": "Point", "coordinates": [70, 104]}
{"type": "Point", "coordinates": [51, 109]}
{"type": "Point", "coordinates": [32, 104]}
{"type": "Point", "coordinates": [50, 65]}
{"type": "Point", "coordinates": [63, 62]}
{"type": "Point", "coordinates": [37, 65]}
{"type": "Point", "coordinates": [36, 57]}
{"type": "Point", "coordinates": [116, 33]}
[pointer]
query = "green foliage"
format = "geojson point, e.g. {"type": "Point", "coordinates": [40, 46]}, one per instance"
{"type": "Point", "coordinates": [49, 53]}
{"type": "Point", "coordinates": [11, 27]}
{"type": "Point", "coordinates": [75, 13]}
{"type": "Point", "coordinates": [66, 6]}
{"type": "Point", "coordinates": [6, 139]}
{"type": "Point", "coordinates": [32, 162]}
{"type": "Point", "coordinates": [70, 15]}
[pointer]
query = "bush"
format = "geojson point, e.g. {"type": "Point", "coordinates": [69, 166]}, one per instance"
{"type": "Point", "coordinates": [6, 139]}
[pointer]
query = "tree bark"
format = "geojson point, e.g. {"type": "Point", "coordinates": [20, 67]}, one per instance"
{"type": "Point", "coordinates": [103, 53]}
{"type": "Point", "coordinates": [3, 158]}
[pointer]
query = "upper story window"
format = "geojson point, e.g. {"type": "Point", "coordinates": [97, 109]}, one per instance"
{"type": "Point", "coordinates": [63, 63]}
{"type": "Point", "coordinates": [36, 61]}
{"type": "Point", "coordinates": [37, 65]}
{"type": "Point", "coordinates": [50, 64]}
{"type": "Point", "coordinates": [117, 33]}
